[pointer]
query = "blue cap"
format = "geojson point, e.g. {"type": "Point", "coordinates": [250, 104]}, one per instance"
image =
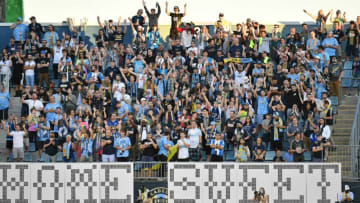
{"type": "Point", "coordinates": [68, 60]}
{"type": "Point", "coordinates": [212, 123]}
{"type": "Point", "coordinates": [19, 18]}
{"type": "Point", "coordinates": [43, 52]}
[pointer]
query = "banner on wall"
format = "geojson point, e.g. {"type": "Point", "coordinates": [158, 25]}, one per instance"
{"type": "Point", "coordinates": [226, 182]}
{"type": "Point", "coordinates": [61, 182]}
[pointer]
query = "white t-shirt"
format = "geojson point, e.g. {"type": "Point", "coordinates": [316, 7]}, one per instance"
{"type": "Point", "coordinates": [239, 77]}
{"type": "Point", "coordinates": [183, 152]}
{"type": "Point", "coordinates": [119, 96]}
{"type": "Point", "coordinates": [18, 138]}
{"type": "Point", "coordinates": [194, 135]}
{"type": "Point", "coordinates": [57, 54]}
{"type": "Point", "coordinates": [30, 71]}
{"type": "Point", "coordinates": [5, 66]}
{"type": "Point", "coordinates": [117, 85]}
{"type": "Point", "coordinates": [37, 104]}
{"type": "Point", "coordinates": [186, 37]}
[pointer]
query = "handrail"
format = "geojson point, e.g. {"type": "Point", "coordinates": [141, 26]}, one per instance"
{"type": "Point", "coordinates": [354, 140]}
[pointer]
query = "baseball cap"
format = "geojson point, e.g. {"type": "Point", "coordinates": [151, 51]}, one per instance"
{"type": "Point", "coordinates": [43, 52]}
{"type": "Point", "coordinates": [176, 7]}
{"type": "Point", "coordinates": [347, 187]}
{"type": "Point", "coordinates": [68, 60]}
{"type": "Point", "coordinates": [276, 114]}
{"type": "Point", "coordinates": [142, 99]}
{"type": "Point", "coordinates": [212, 123]}
{"type": "Point", "coordinates": [19, 18]}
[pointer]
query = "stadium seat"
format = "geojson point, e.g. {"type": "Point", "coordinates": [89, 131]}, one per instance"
{"type": "Point", "coordinates": [27, 157]}
{"type": "Point", "coordinates": [346, 81]}
{"type": "Point", "coordinates": [348, 65]}
{"type": "Point", "coordinates": [288, 157]}
{"type": "Point", "coordinates": [307, 156]}
{"type": "Point", "coordinates": [334, 100]}
{"type": "Point", "coordinates": [43, 158]}
{"type": "Point", "coordinates": [269, 156]}
{"type": "Point", "coordinates": [32, 147]}
{"type": "Point", "coordinates": [230, 156]}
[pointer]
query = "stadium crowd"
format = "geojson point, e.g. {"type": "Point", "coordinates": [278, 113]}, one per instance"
{"type": "Point", "coordinates": [198, 97]}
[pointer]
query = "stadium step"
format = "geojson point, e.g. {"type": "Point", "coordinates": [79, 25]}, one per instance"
{"type": "Point", "coordinates": [15, 106]}
{"type": "Point", "coordinates": [341, 133]}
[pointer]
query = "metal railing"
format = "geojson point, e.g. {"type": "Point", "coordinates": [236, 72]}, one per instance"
{"type": "Point", "coordinates": [355, 140]}
{"type": "Point", "coordinates": [343, 154]}
{"type": "Point", "coordinates": [150, 170]}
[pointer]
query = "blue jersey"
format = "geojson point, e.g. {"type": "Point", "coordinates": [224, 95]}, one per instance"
{"type": "Point", "coordinates": [123, 142]}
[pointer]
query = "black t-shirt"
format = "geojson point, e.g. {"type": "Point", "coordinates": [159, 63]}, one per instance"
{"type": "Point", "coordinates": [230, 126]}
{"type": "Point", "coordinates": [338, 34]}
{"type": "Point", "coordinates": [352, 34]}
{"type": "Point", "coordinates": [119, 37]}
{"type": "Point", "coordinates": [318, 154]}
{"type": "Point", "coordinates": [211, 51]}
{"type": "Point", "coordinates": [278, 159]}
{"type": "Point", "coordinates": [149, 151]}
{"type": "Point", "coordinates": [109, 149]}
{"type": "Point", "coordinates": [176, 19]}
{"type": "Point", "coordinates": [44, 61]}
{"type": "Point", "coordinates": [132, 132]}
{"type": "Point", "coordinates": [18, 67]}
{"type": "Point", "coordinates": [299, 144]}
{"type": "Point", "coordinates": [51, 149]}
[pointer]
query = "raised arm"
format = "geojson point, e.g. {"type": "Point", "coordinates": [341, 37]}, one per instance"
{"type": "Point", "coordinates": [159, 9]}
{"type": "Point", "coordinates": [166, 8]}
{"type": "Point", "coordinates": [132, 25]}
{"type": "Point", "coordinates": [311, 15]}
{"type": "Point", "coordinates": [184, 10]}
{"type": "Point", "coordinates": [100, 23]}
{"type": "Point", "coordinates": [119, 21]}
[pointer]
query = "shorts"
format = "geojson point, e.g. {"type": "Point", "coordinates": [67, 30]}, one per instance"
{"type": "Point", "coordinates": [40, 144]}
{"type": "Point", "coordinates": [4, 114]}
{"type": "Point", "coordinates": [351, 50]}
{"type": "Point", "coordinates": [147, 158]}
{"type": "Point", "coordinates": [194, 154]}
{"type": "Point", "coordinates": [18, 153]}
{"type": "Point", "coordinates": [9, 144]}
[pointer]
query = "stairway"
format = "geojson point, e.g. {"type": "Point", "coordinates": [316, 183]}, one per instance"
{"type": "Point", "coordinates": [341, 133]}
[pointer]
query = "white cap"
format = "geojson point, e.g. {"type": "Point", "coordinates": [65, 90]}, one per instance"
{"type": "Point", "coordinates": [347, 187]}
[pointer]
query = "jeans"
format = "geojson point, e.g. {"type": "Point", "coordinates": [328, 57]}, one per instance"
{"type": "Point", "coordinates": [108, 158]}
{"type": "Point", "coordinates": [30, 80]}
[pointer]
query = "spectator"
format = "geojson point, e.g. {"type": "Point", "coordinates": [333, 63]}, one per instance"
{"type": "Point", "coordinates": [320, 19]}
{"type": "Point", "coordinates": [18, 66]}
{"type": "Point", "coordinates": [123, 146]}
{"type": "Point", "coordinates": [107, 143]}
{"type": "Point", "coordinates": [352, 36]}
{"type": "Point", "coordinates": [347, 195]}
{"type": "Point", "coordinates": [68, 149]}
{"type": "Point", "coordinates": [5, 71]}
{"type": "Point", "coordinates": [4, 103]}
{"type": "Point", "coordinates": [176, 17]}
{"type": "Point", "coordinates": [217, 148]}
{"type": "Point", "coordinates": [86, 147]}
{"type": "Point", "coordinates": [148, 147]}
{"type": "Point", "coordinates": [183, 147]}
{"type": "Point", "coordinates": [330, 44]}
{"type": "Point", "coordinates": [194, 134]}
{"type": "Point", "coordinates": [51, 147]}
{"type": "Point", "coordinates": [242, 154]}
{"type": "Point", "coordinates": [297, 148]}
{"type": "Point", "coordinates": [259, 150]}
{"type": "Point", "coordinates": [51, 36]}
{"type": "Point", "coordinates": [35, 26]}
{"type": "Point", "coordinates": [18, 142]}
{"type": "Point", "coordinates": [152, 15]}
{"type": "Point", "coordinates": [278, 157]}
{"type": "Point", "coordinates": [43, 68]}
{"type": "Point", "coordinates": [318, 150]}
{"type": "Point", "coordinates": [19, 30]}
{"type": "Point", "coordinates": [43, 128]}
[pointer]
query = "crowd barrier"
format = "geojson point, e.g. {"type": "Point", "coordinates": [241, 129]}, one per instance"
{"type": "Point", "coordinates": [187, 182]}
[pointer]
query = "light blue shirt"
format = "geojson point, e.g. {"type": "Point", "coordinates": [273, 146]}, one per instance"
{"type": "Point", "coordinates": [138, 66]}
{"type": "Point", "coordinates": [20, 28]}
{"type": "Point", "coordinates": [351, 195]}
{"type": "Point", "coordinates": [50, 116]}
{"type": "Point", "coordinates": [262, 105]}
{"type": "Point", "coordinates": [86, 146]}
{"type": "Point", "coordinates": [122, 110]}
{"type": "Point", "coordinates": [123, 142]}
{"type": "Point", "coordinates": [164, 141]}
{"type": "Point", "coordinates": [161, 84]}
{"type": "Point", "coordinates": [54, 35]}
{"type": "Point", "coordinates": [4, 100]}
{"type": "Point", "coordinates": [330, 41]}
{"type": "Point", "coordinates": [293, 77]}
{"type": "Point", "coordinates": [42, 133]}
{"type": "Point", "coordinates": [218, 152]}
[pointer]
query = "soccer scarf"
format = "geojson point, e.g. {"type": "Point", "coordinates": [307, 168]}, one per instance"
{"type": "Point", "coordinates": [67, 150]}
